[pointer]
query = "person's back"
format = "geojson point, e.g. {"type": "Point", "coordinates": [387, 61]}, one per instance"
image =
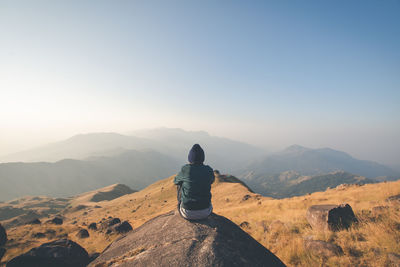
{"type": "Point", "coordinates": [194, 181]}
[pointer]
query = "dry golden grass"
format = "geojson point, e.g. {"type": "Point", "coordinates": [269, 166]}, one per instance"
{"type": "Point", "coordinates": [366, 244]}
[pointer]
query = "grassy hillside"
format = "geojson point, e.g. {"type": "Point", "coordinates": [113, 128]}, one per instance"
{"type": "Point", "coordinates": [278, 224]}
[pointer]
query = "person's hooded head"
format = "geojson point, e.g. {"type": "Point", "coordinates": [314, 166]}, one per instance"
{"type": "Point", "coordinates": [196, 155]}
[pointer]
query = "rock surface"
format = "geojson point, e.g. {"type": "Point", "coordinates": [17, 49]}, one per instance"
{"type": "Point", "coordinates": [3, 236]}
{"type": "Point", "coordinates": [331, 217]}
{"type": "Point", "coordinates": [60, 253]}
{"type": "Point", "coordinates": [2, 252]}
{"type": "Point", "coordinates": [322, 248]}
{"type": "Point", "coordinates": [170, 240]}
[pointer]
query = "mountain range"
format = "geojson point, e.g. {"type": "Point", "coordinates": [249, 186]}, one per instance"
{"type": "Point", "coordinates": [85, 162]}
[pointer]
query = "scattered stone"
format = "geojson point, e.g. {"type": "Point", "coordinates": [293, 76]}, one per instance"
{"type": "Point", "coordinates": [246, 197]}
{"type": "Point", "coordinates": [61, 252]}
{"type": "Point", "coordinates": [215, 241]}
{"type": "Point", "coordinates": [83, 233]}
{"type": "Point", "coordinates": [393, 260]}
{"type": "Point", "coordinates": [38, 235]}
{"type": "Point", "coordinates": [3, 236]}
{"type": "Point", "coordinates": [34, 221]}
{"type": "Point", "coordinates": [2, 252]}
{"type": "Point", "coordinates": [110, 222]}
{"type": "Point", "coordinates": [97, 207]}
{"type": "Point", "coordinates": [245, 224]}
{"type": "Point", "coordinates": [331, 217]}
{"type": "Point", "coordinates": [123, 227]}
{"type": "Point", "coordinates": [93, 226]}
{"type": "Point", "coordinates": [56, 221]}
{"type": "Point", "coordinates": [322, 248]}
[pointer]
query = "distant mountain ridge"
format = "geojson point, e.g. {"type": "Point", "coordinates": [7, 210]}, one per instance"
{"type": "Point", "coordinates": [298, 170]}
{"type": "Point", "coordinates": [136, 169]}
{"type": "Point", "coordinates": [221, 153]}
{"type": "Point", "coordinates": [309, 161]}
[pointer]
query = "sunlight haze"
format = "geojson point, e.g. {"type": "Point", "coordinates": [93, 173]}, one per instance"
{"type": "Point", "coordinates": [269, 73]}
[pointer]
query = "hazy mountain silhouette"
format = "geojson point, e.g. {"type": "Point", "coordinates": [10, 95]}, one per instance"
{"type": "Point", "coordinates": [136, 169]}
{"type": "Point", "coordinates": [299, 170]}
{"type": "Point", "coordinates": [222, 153]}
{"type": "Point", "coordinates": [307, 161]}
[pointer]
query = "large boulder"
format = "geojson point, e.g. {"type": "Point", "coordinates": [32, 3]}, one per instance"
{"type": "Point", "coordinates": [2, 252]}
{"type": "Point", "coordinates": [331, 217]}
{"type": "Point", "coordinates": [170, 240]}
{"type": "Point", "coordinates": [60, 253]}
{"type": "Point", "coordinates": [3, 236]}
{"type": "Point", "coordinates": [322, 249]}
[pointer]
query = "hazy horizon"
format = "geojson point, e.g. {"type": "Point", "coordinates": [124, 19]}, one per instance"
{"type": "Point", "coordinates": [273, 74]}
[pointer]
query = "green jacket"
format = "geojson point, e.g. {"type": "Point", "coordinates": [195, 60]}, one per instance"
{"type": "Point", "coordinates": [195, 181]}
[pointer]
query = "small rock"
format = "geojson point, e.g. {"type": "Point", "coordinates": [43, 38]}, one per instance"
{"type": "Point", "coordinates": [246, 197]}
{"type": "Point", "coordinates": [61, 252]}
{"type": "Point", "coordinates": [123, 227]}
{"type": "Point", "coordinates": [322, 248]}
{"type": "Point", "coordinates": [34, 221]}
{"type": "Point", "coordinates": [93, 226]}
{"type": "Point", "coordinates": [3, 236]}
{"type": "Point", "coordinates": [56, 221]}
{"type": "Point", "coordinates": [245, 224]}
{"type": "Point", "coordinates": [83, 233]}
{"type": "Point", "coordinates": [331, 217]}
{"type": "Point", "coordinates": [393, 259]}
{"type": "Point", "coordinates": [110, 222]}
{"type": "Point", "coordinates": [38, 235]}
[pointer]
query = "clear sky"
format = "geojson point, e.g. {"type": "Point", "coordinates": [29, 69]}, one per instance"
{"type": "Point", "coordinates": [271, 73]}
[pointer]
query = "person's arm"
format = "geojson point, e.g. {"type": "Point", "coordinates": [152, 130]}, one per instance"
{"type": "Point", "coordinates": [213, 176]}
{"type": "Point", "coordinates": [178, 178]}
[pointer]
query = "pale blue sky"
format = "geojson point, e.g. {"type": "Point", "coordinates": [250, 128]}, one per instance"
{"type": "Point", "coordinates": [271, 73]}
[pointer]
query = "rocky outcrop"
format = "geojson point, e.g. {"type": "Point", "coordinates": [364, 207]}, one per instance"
{"type": "Point", "coordinates": [322, 249]}
{"type": "Point", "coordinates": [170, 240]}
{"type": "Point", "coordinates": [3, 236]}
{"type": "Point", "coordinates": [61, 253]}
{"type": "Point", "coordinates": [331, 217]}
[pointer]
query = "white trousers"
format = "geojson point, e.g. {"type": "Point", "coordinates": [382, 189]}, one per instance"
{"type": "Point", "coordinates": [196, 214]}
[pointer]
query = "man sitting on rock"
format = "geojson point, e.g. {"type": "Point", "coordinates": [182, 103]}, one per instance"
{"type": "Point", "coordinates": [194, 186]}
